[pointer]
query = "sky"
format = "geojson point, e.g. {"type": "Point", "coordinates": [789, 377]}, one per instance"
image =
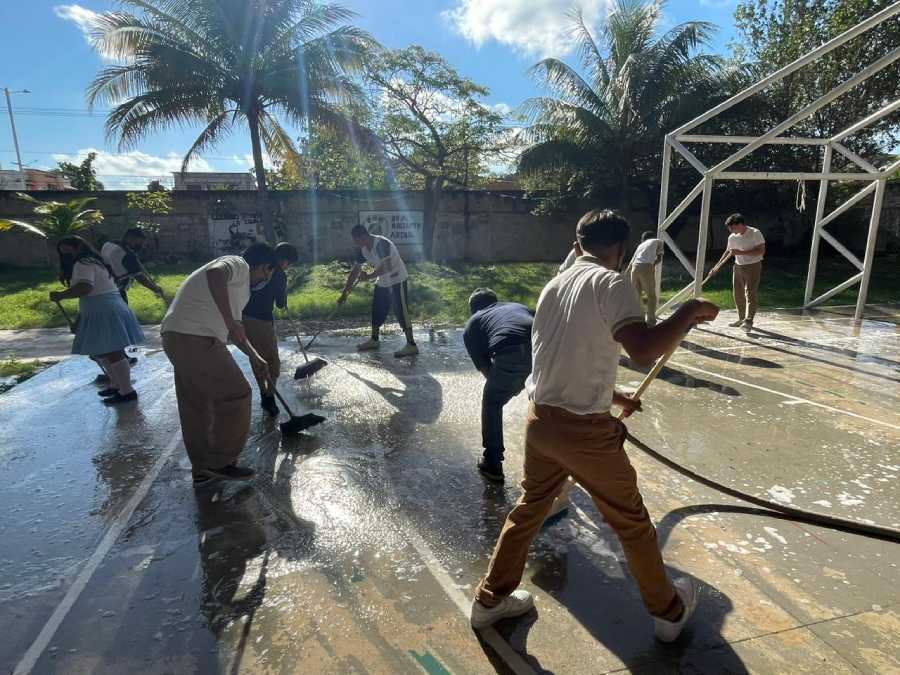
{"type": "Point", "coordinates": [45, 49]}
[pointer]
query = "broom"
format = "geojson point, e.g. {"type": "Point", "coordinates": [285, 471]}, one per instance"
{"type": "Point", "coordinates": [296, 424]}
{"type": "Point", "coordinates": [310, 368]}
{"type": "Point", "coordinates": [66, 315]}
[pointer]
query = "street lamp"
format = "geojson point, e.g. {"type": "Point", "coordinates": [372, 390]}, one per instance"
{"type": "Point", "coordinates": [12, 122]}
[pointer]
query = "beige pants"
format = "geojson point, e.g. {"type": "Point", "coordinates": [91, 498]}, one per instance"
{"type": "Point", "coordinates": [265, 341]}
{"type": "Point", "coordinates": [589, 448]}
{"type": "Point", "coordinates": [643, 277]}
{"type": "Point", "coordinates": [745, 283]}
{"type": "Point", "coordinates": [213, 399]}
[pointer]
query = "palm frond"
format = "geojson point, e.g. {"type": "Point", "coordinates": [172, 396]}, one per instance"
{"type": "Point", "coordinates": [6, 225]}
{"type": "Point", "coordinates": [219, 124]}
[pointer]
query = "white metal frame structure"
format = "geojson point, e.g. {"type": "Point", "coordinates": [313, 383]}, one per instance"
{"type": "Point", "coordinates": [877, 178]}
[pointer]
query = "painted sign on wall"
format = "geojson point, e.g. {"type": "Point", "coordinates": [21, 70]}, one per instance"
{"type": "Point", "coordinates": [230, 236]}
{"type": "Point", "coordinates": [404, 228]}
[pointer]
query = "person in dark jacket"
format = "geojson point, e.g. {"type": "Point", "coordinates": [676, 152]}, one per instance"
{"type": "Point", "coordinates": [259, 321]}
{"type": "Point", "coordinates": [498, 339]}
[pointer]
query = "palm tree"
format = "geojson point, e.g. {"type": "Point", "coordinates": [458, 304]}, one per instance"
{"type": "Point", "coordinates": [604, 124]}
{"type": "Point", "coordinates": [223, 63]}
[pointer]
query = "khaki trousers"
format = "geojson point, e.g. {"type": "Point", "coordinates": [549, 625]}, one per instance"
{"type": "Point", "coordinates": [264, 339]}
{"type": "Point", "coordinates": [745, 283]}
{"type": "Point", "coordinates": [213, 399]}
{"type": "Point", "coordinates": [643, 277]}
{"type": "Point", "coordinates": [589, 448]}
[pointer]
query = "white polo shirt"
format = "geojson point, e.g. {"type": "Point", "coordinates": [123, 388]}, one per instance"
{"type": "Point", "coordinates": [744, 242]}
{"type": "Point", "coordinates": [194, 312]}
{"type": "Point", "coordinates": [97, 276]}
{"type": "Point", "coordinates": [647, 252]}
{"type": "Point", "coordinates": [574, 353]}
{"type": "Point", "coordinates": [382, 248]}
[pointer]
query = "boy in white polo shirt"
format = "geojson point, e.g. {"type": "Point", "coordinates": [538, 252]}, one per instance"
{"type": "Point", "coordinates": [213, 394]}
{"type": "Point", "coordinates": [648, 255]}
{"type": "Point", "coordinates": [748, 246]}
{"type": "Point", "coordinates": [583, 317]}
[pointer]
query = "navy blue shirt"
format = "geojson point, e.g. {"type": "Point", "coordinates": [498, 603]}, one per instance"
{"type": "Point", "coordinates": [495, 328]}
{"type": "Point", "coordinates": [273, 293]}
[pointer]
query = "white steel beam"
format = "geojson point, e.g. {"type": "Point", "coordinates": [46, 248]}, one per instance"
{"type": "Point", "coordinates": [663, 207]}
{"type": "Point", "coordinates": [859, 196]}
{"type": "Point", "coordinates": [689, 156]}
{"type": "Point", "coordinates": [855, 279]}
{"type": "Point", "coordinates": [795, 175]}
{"type": "Point", "coordinates": [870, 251]}
{"type": "Point", "coordinates": [700, 259]}
{"type": "Point", "coordinates": [853, 157]}
{"type": "Point", "coordinates": [817, 227]}
{"type": "Point", "coordinates": [675, 298]}
{"type": "Point", "coordinates": [863, 123]}
{"type": "Point", "coordinates": [811, 108]}
{"type": "Point", "coordinates": [781, 73]}
{"type": "Point", "coordinates": [843, 250]}
{"type": "Point", "coordinates": [666, 237]}
{"type": "Point", "coordinates": [686, 202]}
{"type": "Point", "coordinates": [741, 140]}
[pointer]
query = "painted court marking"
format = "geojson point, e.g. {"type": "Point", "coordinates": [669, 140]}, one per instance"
{"type": "Point", "coordinates": [87, 572]}
{"type": "Point", "coordinates": [796, 399]}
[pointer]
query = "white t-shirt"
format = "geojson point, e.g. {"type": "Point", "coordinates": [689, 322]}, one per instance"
{"type": "Point", "coordinates": [575, 355]}
{"type": "Point", "coordinates": [97, 276]}
{"type": "Point", "coordinates": [744, 242]}
{"type": "Point", "coordinates": [568, 262]}
{"type": "Point", "coordinates": [123, 263]}
{"type": "Point", "coordinates": [194, 312]}
{"type": "Point", "coordinates": [382, 248]}
{"type": "Point", "coordinates": [647, 252]}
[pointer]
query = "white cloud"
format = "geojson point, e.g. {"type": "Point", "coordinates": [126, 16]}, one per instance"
{"type": "Point", "coordinates": [133, 170]}
{"type": "Point", "coordinates": [81, 16]}
{"type": "Point", "coordinates": [717, 4]}
{"type": "Point", "coordinates": [531, 27]}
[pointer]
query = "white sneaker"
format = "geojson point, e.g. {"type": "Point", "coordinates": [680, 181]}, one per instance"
{"type": "Point", "coordinates": [736, 324]}
{"type": "Point", "coordinates": [689, 592]}
{"type": "Point", "coordinates": [408, 350]}
{"type": "Point", "coordinates": [368, 346]}
{"type": "Point", "coordinates": [515, 604]}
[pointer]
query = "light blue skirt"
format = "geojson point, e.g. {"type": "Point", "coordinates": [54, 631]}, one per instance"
{"type": "Point", "coordinates": [105, 324]}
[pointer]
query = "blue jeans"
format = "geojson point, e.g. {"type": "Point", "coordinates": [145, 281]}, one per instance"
{"type": "Point", "coordinates": [505, 380]}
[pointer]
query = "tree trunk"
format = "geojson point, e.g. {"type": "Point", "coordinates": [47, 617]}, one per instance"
{"type": "Point", "coordinates": [434, 187]}
{"type": "Point", "coordinates": [262, 191]}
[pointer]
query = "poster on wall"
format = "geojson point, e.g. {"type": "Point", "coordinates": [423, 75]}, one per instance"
{"type": "Point", "coordinates": [404, 228]}
{"type": "Point", "coordinates": [230, 236]}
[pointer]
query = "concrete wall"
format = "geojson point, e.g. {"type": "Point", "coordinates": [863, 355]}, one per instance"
{"type": "Point", "coordinates": [477, 227]}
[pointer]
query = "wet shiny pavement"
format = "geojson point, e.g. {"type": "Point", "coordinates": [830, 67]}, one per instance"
{"type": "Point", "coordinates": [357, 547]}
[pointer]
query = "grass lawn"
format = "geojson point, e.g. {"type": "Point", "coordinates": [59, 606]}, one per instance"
{"type": "Point", "coordinates": [438, 293]}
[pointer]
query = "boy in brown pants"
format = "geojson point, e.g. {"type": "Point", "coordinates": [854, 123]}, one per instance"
{"type": "Point", "coordinates": [748, 246]}
{"type": "Point", "coordinates": [213, 394]}
{"type": "Point", "coordinates": [259, 321]}
{"type": "Point", "coordinates": [583, 317]}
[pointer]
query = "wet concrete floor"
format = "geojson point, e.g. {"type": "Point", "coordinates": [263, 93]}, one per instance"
{"type": "Point", "coordinates": [357, 547]}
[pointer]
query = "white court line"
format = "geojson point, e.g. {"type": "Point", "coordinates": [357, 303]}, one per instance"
{"type": "Point", "coordinates": [81, 581]}
{"type": "Point", "coordinates": [797, 399]}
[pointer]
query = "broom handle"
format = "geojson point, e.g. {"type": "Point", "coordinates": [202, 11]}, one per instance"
{"type": "Point", "coordinates": [715, 269]}
{"type": "Point", "coordinates": [281, 398]}
{"type": "Point", "coordinates": [66, 315]}
{"type": "Point", "coordinates": [327, 319]}
{"type": "Point", "coordinates": [649, 377]}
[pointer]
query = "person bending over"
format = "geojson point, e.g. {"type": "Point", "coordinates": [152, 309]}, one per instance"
{"type": "Point", "coordinates": [583, 317]}
{"type": "Point", "coordinates": [498, 339]}
{"type": "Point", "coordinates": [648, 255]}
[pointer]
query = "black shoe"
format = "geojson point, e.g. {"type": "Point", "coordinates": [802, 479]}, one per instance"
{"type": "Point", "coordinates": [202, 480]}
{"type": "Point", "coordinates": [118, 398]}
{"type": "Point", "coordinates": [493, 472]}
{"type": "Point", "coordinates": [231, 472]}
{"type": "Point", "coordinates": [132, 360]}
{"type": "Point", "coordinates": [102, 378]}
{"type": "Point", "coordinates": [109, 391]}
{"type": "Point", "coordinates": [268, 404]}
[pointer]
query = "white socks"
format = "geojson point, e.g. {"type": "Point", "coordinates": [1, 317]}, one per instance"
{"type": "Point", "coordinates": [120, 374]}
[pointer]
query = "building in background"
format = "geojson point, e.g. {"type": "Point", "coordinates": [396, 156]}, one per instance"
{"type": "Point", "coordinates": [33, 180]}
{"type": "Point", "coordinates": [196, 180]}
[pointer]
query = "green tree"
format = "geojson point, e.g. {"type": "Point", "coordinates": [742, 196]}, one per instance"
{"type": "Point", "coordinates": [601, 128]}
{"type": "Point", "coordinates": [772, 33]}
{"type": "Point", "coordinates": [81, 176]}
{"type": "Point", "coordinates": [145, 206]}
{"type": "Point", "coordinates": [432, 125]}
{"type": "Point", "coordinates": [227, 63]}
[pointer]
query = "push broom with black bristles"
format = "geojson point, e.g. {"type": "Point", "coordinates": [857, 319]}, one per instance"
{"type": "Point", "coordinates": [311, 367]}
{"type": "Point", "coordinates": [296, 424]}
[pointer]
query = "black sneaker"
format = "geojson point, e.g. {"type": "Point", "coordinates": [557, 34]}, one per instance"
{"type": "Point", "coordinates": [102, 378]}
{"type": "Point", "coordinates": [231, 472]}
{"type": "Point", "coordinates": [202, 480]}
{"type": "Point", "coordinates": [118, 398]}
{"type": "Point", "coordinates": [493, 472]}
{"type": "Point", "coordinates": [109, 391]}
{"type": "Point", "coordinates": [268, 404]}
{"type": "Point", "coordinates": [132, 360]}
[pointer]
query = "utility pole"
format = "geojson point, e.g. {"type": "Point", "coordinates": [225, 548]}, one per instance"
{"type": "Point", "coordinates": [12, 122]}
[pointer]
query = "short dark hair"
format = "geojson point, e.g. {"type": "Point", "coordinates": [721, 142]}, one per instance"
{"type": "Point", "coordinates": [260, 253]}
{"type": "Point", "coordinates": [480, 299]}
{"type": "Point", "coordinates": [600, 228]}
{"type": "Point", "coordinates": [286, 251]}
{"type": "Point", "coordinates": [734, 219]}
{"type": "Point", "coordinates": [134, 232]}
{"type": "Point", "coordinates": [648, 235]}
{"type": "Point", "coordinates": [359, 231]}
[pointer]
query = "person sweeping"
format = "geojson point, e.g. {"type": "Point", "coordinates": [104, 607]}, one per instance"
{"type": "Point", "coordinates": [583, 318]}
{"type": "Point", "coordinates": [391, 287]}
{"type": "Point", "coordinates": [213, 394]}
{"type": "Point", "coordinates": [106, 325]}
{"type": "Point", "coordinates": [123, 258]}
{"type": "Point", "coordinates": [259, 321]}
{"type": "Point", "coordinates": [748, 247]}
{"type": "Point", "coordinates": [498, 339]}
{"type": "Point", "coordinates": [642, 273]}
